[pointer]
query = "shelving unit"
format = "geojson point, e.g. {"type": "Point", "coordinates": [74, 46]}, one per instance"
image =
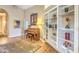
{"type": "Point", "coordinates": [52, 23]}
{"type": "Point", "coordinates": [66, 27]}
{"type": "Point", "coordinates": [62, 28]}
{"type": "Point", "coordinates": [51, 35]}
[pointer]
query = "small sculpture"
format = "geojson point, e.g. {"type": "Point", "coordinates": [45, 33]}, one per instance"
{"type": "Point", "coordinates": [68, 23]}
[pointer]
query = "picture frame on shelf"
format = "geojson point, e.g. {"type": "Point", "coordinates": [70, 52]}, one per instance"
{"type": "Point", "coordinates": [66, 9]}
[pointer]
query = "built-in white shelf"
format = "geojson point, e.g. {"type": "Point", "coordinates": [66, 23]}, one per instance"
{"type": "Point", "coordinates": [71, 29]}
{"type": "Point", "coordinates": [65, 40]}
{"type": "Point", "coordinates": [65, 35]}
{"type": "Point", "coordinates": [64, 27]}
{"type": "Point", "coordinates": [71, 12]}
{"type": "Point", "coordinates": [52, 33]}
{"type": "Point", "coordinates": [66, 49]}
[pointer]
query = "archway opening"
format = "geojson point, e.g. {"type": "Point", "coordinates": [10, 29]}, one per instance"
{"type": "Point", "coordinates": [3, 26]}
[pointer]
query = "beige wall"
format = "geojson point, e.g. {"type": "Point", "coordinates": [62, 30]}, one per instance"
{"type": "Point", "coordinates": [16, 13]}
{"type": "Point", "coordinates": [13, 14]}
{"type": "Point", "coordinates": [36, 9]}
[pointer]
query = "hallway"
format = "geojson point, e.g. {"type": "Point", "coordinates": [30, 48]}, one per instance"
{"type": "Point", "coordinates": [36, 29]}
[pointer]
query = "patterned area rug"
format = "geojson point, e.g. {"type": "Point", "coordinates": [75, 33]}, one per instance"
{"type": "Point", "coordinates": [21, 46]}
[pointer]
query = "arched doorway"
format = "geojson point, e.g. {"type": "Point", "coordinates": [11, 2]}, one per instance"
{"type": "Point", "coordinates": [3, 23]}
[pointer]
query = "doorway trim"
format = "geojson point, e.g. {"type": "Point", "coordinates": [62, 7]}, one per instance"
{"type": "Point", "coordinates": [4, 11]}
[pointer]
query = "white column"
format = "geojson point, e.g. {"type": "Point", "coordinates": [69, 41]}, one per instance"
{"type": "Point", "coordinates": [76, 29]}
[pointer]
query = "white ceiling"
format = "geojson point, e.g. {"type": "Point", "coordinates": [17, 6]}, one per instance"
{"type": "Point", "coordinates": [24, 7]}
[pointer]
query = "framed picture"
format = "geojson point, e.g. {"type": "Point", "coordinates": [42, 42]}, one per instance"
{"type": "Point", "coordinates": [16, 23]}
{"type": "Point", "coordinates": [33, 19]}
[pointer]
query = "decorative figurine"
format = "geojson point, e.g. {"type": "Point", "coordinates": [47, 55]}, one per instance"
{"type": "Point", "coordinates": [68, 21]}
